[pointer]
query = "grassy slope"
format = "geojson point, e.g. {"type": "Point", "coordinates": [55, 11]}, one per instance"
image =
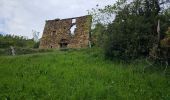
{"type": "Point", "coordinates": [77, 75]}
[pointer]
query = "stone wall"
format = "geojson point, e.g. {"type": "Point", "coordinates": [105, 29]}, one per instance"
{"type": "Point", "coordinates": [57, 33]}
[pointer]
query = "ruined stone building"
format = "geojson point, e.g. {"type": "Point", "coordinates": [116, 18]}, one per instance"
{"type": "Point", "coordinates": [67, 33]}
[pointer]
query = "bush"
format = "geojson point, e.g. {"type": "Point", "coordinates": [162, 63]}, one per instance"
{"type": "Point", "coordinates": [36, 45]}
{"type": "Point", "coordinates": [9, 40]}
{"type": "Point", "coordinates": [21, 51]}
{"type": "Point", "coordinates": [162, 53]}
{"type": "Point", "coordinates": [134, 30]}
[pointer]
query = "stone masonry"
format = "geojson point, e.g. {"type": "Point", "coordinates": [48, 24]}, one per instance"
{"type": "Point", "coordinates": [67, 33]}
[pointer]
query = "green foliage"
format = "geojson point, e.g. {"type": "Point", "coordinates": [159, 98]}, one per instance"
{"type": "Point", "coordinates": [130, 35]}
{"type": "Point", "coordinates": [168, 32]}
{"type": "Point", "coordinates": [133, 33]}
{"type": "Point", "coordinates": [165, 47]}
{"type": "Point", "coordinates": [98, 35]}
{"type": "Point", "coordinates": [78, 75]}
{"type": "Point", "coordinates": [22, 51]}
{"type": "Point", "coordinates": [16, 41]}
{"type": "Point", "coordinates": [36, 45]}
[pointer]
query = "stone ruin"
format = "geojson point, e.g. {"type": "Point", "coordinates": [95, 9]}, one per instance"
{"type": "Point", "coordinates": [67, 33]}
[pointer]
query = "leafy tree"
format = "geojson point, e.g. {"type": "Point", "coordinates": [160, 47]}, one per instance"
{"type": "Point", "coordinates": [133, 33]}
{"type": "Point", "coordinates": [98, 34]}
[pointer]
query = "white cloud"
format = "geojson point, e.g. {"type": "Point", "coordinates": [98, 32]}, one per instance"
{"type": "Point", "coordinates": [19, 17]}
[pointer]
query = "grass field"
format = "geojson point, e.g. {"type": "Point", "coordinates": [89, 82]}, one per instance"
{"type": "Point", "coordinates": [78, 75]}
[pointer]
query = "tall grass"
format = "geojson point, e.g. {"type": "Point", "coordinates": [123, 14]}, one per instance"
{"type": "Point", "coordinates": [78, 75]}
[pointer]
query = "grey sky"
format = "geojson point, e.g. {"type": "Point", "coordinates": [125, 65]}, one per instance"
{"type": "Point", "coordinates": [20, 17]}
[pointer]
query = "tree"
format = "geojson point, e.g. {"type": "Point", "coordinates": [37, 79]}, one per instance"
{"type": "Point", "coordinates": [133, 33]}
{"type": "Point", "coordinates": [98, 34]}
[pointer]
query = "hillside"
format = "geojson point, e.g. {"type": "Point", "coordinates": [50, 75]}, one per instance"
{"type": "Point", "coordinates": [78, 75]}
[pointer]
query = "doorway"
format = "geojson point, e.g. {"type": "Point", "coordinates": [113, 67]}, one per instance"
{"type": "Point", "coordinates": [63, 43]}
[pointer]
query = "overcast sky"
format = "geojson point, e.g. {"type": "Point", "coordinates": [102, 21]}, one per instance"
{"type": "Point", "coordinates": [20, 17]}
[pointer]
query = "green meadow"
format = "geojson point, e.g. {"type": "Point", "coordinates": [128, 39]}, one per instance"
{"type": "Point", "coordinates": [79, 75]}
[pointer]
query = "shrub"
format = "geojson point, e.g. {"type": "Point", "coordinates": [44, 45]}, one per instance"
{"type": "Point", "coordinates": [21, 51]}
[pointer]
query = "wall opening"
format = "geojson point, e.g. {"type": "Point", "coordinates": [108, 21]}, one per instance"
{"type": "Point", "coordinates": [63, 43]}
{"type": "Point", "coordinates": [73, 21]}
{"type": "Point", "coordinates": [72, 29]}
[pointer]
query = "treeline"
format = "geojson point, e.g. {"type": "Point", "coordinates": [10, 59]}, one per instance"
{"type": "Point", "coordinates": [20, 45]}
{"type": "Point", "coordinates": [17, 41]}
{"type": "Point", "coordinates": [135, 31]}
